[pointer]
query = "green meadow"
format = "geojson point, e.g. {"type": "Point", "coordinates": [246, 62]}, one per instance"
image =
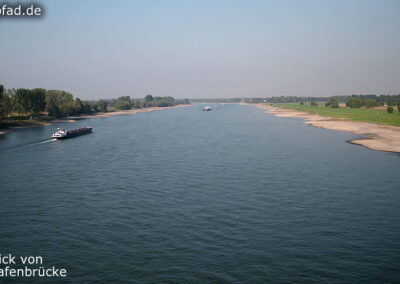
{"type": "Point", "coordinates": [355, 114]}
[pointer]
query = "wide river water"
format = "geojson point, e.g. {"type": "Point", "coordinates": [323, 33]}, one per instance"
{"type": "Point", "coordinates": [182, 195]}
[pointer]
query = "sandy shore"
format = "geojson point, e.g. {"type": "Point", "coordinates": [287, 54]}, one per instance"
{"type": "Point", "coordinates": [2, 132]}
{"type": "Point", "coordinates": [378, 137]}
{"type": "Point", "coordinates": [101, 114]}
{"type": "Point", "coordinates": [130, 111]}
{"type": "Point", "coordinates": [37, 124]}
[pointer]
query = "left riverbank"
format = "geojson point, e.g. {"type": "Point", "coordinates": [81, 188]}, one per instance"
{"type": "Point", "coordinates": [123, 112]}
{"type": "Point", "coordinates": [72, 119]}
{"type": "Point", "coordinates": [32, 123]}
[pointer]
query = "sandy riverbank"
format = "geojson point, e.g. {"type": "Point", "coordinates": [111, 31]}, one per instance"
{"type": "Point", "coordinates": [378, 136]}
{"type": "Point", "coordinates": [36, 124]}
{"type": "Point", "coordinates": [3, 132]}
{"type": "Point", "coordinates": [101, 114]}
{"type": "Point", "coordinates": [130, 111]}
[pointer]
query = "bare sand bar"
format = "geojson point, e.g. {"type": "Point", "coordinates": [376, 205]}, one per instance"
{"type": "Point", "coordinates": [378, 137]}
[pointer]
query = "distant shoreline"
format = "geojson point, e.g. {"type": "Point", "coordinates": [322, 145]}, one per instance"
{"type": "Point", "coordinates": [121, 112]}
{"type": "Point", "coordinates": [74, 118]}
{"type": "Point", "coordinates": [379, 137]}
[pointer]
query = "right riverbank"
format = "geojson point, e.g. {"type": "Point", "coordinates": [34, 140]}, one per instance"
{"type": "Point", "coordinates": [379, 137]}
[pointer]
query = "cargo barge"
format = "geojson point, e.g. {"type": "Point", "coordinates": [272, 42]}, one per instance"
{"type": "Point", "coordinates": [65, 134]}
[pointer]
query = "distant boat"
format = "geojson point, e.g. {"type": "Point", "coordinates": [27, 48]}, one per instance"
{"type": "Point", "coordinates": [207, 108]}
{"type": "Point", "coordinates": [65, 134]}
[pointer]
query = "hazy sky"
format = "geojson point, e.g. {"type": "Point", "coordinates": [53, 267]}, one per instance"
{"type": "Point", "coordinates": [105, 49]}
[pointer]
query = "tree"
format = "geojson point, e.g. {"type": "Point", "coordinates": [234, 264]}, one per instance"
{"type": "Point", "coordinates": [1, 92]}
{"type": "Point", "coordinates": [389, 109]}
{"type": "Point", "coordinates": [334, 103]}
{"type": "Point", "coordinates": [184, 102]}
{"type": "Point", "coordinates": [301, 102]}
{"type": "Point", "coordinates": [59, 103]}
{"type": "Point", "coordinates": [53, 109]}
{"type": "Point", "coordinates": [102, 105]}
{"type": "Point", "coordinates": [38, 100]}
{"type": "Point", "coordinates": [59, 97]}
{"type": "Point", "coordinates": [398, 106]}
{"type": "Point", "coordinates": [148, 98]}
{"type": "Point", "coordinates": [123, 103]}
{"type": "Point", "coordinates": [355, 102]}
{"type": "Point", "coordinates": [78, 106]}
{"type": "Point", "coordinates": [95, 107]}
{"type": "Point", "coordinates": [23, 100]}
{"type": "Point", "coordinates": [5, 106]}
{"type": "Point", "coordinates": [71, 108]}
{"type": "Point", "coordinates": [1, 97]}
{"type": "Point", "coordinates": [137, 104]}
{"type": "Point", "coordinates": [370, 102]}
{"type": "Point", "coordinates": [313, 103]}
{"type": "Point", "coordinates": [160, 103]}
{"type": "Point", "coordinates": [86, 108]}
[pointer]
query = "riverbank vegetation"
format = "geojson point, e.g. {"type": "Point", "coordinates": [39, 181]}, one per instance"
{"type": "Point", "coordinates": [25, 107]}
{"type": "Point", "coordinates": [363, 100]}
{"type": "Point", "coordinates": [354, 100]}
{"type": "Point", "coordinates": [359, 113]}
{"type": "Point", "coordinates": [384, 109]}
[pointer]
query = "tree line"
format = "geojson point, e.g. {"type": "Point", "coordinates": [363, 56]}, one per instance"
{"type": "Point", "coordinates": [357, 102]}
{"type": "Point", "coordinates": [366, 100]}
{"type": "Point", "coordinates": [125, 102]}
{"type": "Point", "coordinates": [20, 103]}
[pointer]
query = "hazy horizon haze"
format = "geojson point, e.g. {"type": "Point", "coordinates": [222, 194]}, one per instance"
{"type": "Point", "coordinates": [205, 49]}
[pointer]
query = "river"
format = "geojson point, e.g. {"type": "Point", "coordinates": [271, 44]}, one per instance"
{"type": "Point", "coordinates": [182, 195]}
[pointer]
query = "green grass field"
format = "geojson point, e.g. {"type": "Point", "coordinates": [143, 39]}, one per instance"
{"type": "Point", "coordinates": [355, 114]}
